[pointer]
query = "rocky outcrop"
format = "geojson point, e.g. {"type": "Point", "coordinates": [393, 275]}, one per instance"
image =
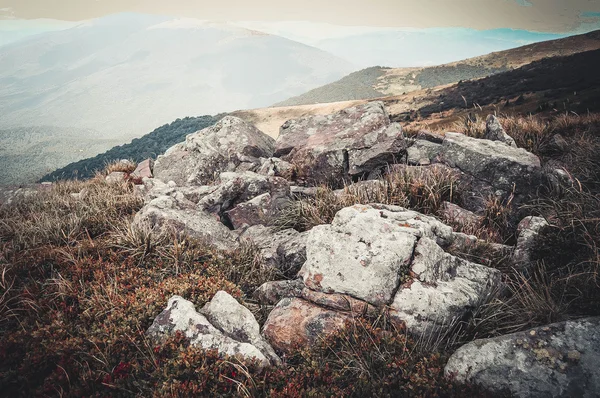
{"type": "Point", "coordinates": [270, 293]}
{"type": "Point", "coordinates": [229, 145]}
{"type": "Point", "coordinates": [558, 360]}
{"type": "Point", "coordinates": [173, 216]}
{"type": "Point", "coordinates": [349, 143]}
{"type": "Point", "coordinates": [231, 330]}
{"type": "Point", "coordinates": [495, 132]}
{"type": "Point", "coordinates": [422, 152]}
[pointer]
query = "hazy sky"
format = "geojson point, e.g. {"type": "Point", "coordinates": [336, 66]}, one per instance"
{"type": "Point", "coordinates": [538, 15]}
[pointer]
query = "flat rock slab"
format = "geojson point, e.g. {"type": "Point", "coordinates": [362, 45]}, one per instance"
{"type": "Point", "coordinates": [229, 145]}
{"type": "Point", "coordinates": [493, 162]}
{"type": "Point", "coordinates": [351, 142]}
{"type": "Point", "coordinates": [558, 360]}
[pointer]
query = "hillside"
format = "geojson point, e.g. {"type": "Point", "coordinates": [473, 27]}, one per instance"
{"type": "Point", "coordinates": [398, 81]}
{"type": "Point", "coordinates": [27, 153]}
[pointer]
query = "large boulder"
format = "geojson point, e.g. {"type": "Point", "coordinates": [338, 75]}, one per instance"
{"type": "Point", "coordinates": [295, 323]}
{"type": "Point", "coordinates": [233, 340]}
{"type": "Point", "coordinates": [180, 217]}
{"type": "Point", "coordinates": [422, 152]}
{"type": "Point", "coordinates": [351, 142]}
{"type": "Point", "coordinates": [558, 360]}
{"type": "Point", "coordinates": [229, 145]}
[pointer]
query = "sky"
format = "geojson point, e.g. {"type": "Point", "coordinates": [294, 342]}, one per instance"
{"type": "Point", "coordinates": [534, 15]}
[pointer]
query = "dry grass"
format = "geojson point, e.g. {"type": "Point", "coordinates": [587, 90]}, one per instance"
{"type": "Point", "coordinates": [419, 188]}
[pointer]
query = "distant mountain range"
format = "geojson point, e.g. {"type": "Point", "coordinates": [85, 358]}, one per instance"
{"type": "Point", "coordinates": [119, 77]}
{"type": "Point", "coordinates": [380, 81]}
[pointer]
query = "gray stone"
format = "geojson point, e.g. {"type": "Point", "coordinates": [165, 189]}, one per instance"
{"type": "Point", "coordinates": [422, 152]}
{"type": "Point", "coordinates": [444, 289]}
{"type": "Point", "coordinates": [276, 167]}
{"type": "Point", "coordinates": [181, 316]}
{"type": "Point", "coordinates": [351, 142]}
{"type": "Point", "coordinates": [143, 169]}
{"type": "Point", "coordinates": [237, 322]}
{"type": "Point", "coordinates": [529, 229]}
{"type": "Point", "coordinates": [171, 216]}
{"type": "Point", "coordinates": [495, 132]}
{"type": "Point", "coordinates": [229, 145]}
{"type": "Point", "coordinates": [284, 250]}
{"type": "Point", "coordinates": [456, 214]}
{"type": "Point", "coordinates": [366, 250]}
{"type": "Point", "coordinates": [496, 164]}
{"type": "Point", "coordinates": [558, 360]}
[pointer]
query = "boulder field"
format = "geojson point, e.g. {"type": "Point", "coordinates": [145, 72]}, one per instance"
{"type": "Point", "coordinates": [227, 184]}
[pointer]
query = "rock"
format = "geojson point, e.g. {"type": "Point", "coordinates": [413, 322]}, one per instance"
{"type": "Point", "coordinates": [296, 323]}
{"type": "Point", "coordinates": [116, 177]}
{"type": "Point", "coordinates": [366, 251]}
{"type": "Point", "coordinates": [558, 360]}
{"type": "Point", "coordinates": [237, 322]}
{"type": "Point", "coordinates": [528, 230]}
{"type": "Point", "coordinates": [492, 164]}
{"type": "Point", "coordinates": [456, 214]}
{"type": "Point", "coordinates": [270, 293]}
{"type": "Point", "coordinates": [143, 169]}
{"type": "Point", "coordinates": [429, 136]}
{"type": "Point", "coordinates": [284, 250]}
{"type": "Point", "coordinates": [421, 152]}
{"type": "Point", "coordinates": [495, 132]}
{"type": "Point", "coordinates": [557, 144]}
{"type": "Point", "coordinates": [180, 315]}
{"type": "Point", "coordinates": [169, 215]}
{"type": "Point", "coordinates": [352, 142]}
{"type": "Point", "coordinates": [276, 167]}
{"type": "Point", "coordinates": [236, 188]}
{"type": "Point", "coordinates": [444, 289]}
{"type": "Point", "coordinates": [229, 145]}
{"type": "Point", "coordinates": [297, 191]}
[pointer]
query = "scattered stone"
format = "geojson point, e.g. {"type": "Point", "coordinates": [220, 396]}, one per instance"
{"type": "Point", "coordinates": [352, 142]}
{"type": "Point", "coordinates": [429, 136]}
{"type": "Point", "coordinates": [495, 132]}
{"type": "Point", "coordinates": [237, 322]}
{"type": "Point", "coordinates": [558, 360]}
{"type": "Point", "coordinates": [180, 315]}
{"type": "Point", "coordinates": [229, 145]}
{"type": "Point", "coordinates": [276, 167]}
{"type": "Point", "coordinates": [270, 293]}
{"type": "Point", "coordinates": [296, 323]}
{"type": "Point", "coordinates": [529, 229]}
